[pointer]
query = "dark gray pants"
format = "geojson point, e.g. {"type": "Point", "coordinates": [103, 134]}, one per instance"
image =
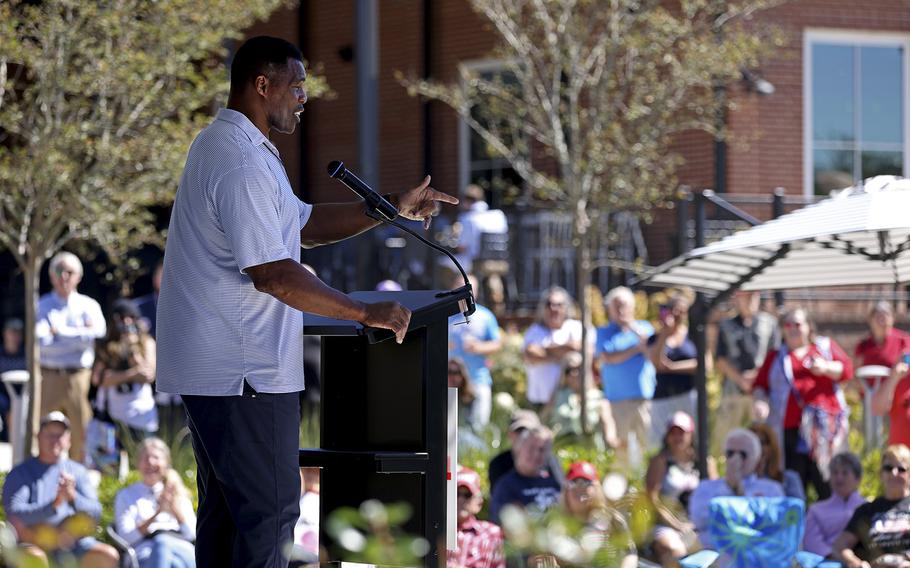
{"type": "Point", "coordinates": [248, 476]}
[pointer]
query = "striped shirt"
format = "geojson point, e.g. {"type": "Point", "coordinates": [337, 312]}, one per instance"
{"type": "Point", "coordinates": [234, 209]}
{"type": "Point", "coordinates": [66, 330]}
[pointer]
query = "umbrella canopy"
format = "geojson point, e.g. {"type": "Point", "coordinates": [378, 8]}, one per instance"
{"type": "Point", "coordinates": [859, 236]}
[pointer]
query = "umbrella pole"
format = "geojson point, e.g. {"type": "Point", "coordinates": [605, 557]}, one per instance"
{"type": "Point", "coordinates": [698, 317]}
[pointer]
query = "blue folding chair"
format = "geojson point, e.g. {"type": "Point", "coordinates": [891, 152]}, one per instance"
{"type": "Point", "coordinates": [755, 532]}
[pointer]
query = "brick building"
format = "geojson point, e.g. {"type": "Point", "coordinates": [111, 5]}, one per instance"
{"type": "Point", "coordinates": [837, 113]}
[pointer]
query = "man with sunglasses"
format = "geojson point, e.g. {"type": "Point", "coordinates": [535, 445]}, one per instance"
{"type": "Point", "coordinates": [742, 449]}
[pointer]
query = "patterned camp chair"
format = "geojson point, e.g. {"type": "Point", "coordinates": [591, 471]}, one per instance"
{"type": "Point", "coordinates": [755, 532]}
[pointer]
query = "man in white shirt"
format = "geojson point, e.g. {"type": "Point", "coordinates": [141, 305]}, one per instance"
{"type": "Point", "coordinates": [229, 326]}
{"type": "Point", "coordinates": [68, 323]}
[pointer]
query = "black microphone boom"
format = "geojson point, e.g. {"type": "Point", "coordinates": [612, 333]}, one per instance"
{"type": "Point", "coordinates": [375, 202]}
{"type": "Point", "coordinates": [380, 209]}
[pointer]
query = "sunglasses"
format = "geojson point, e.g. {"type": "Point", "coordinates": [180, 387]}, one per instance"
{"type": "Point", "coordinates": [554, 305]}
{"type": "Point", "coordinates": [742, 454]}
{"type": "Point", "coordinates": [889, 468]}
{"type": "Point", "coordinates": [573, 370]}
{"type": "Point", "coordinates": [579, 483]}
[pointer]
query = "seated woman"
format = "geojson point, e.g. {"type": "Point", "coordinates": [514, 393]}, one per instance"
{"type": "Point", "coordinates": [671, 478]}
{"type": "Point", "coordinates": [743, 451]}
{"type": "Point", "coordinates": [770, 466]}
{"type": "Point", "coordinates": [825, 520]}
{"type": "Point", "coordinates": [563, 412]}
{"type": "Point", "coordinates": [878, 533]}
{"type": "Point", "coordinates": [458, 378]}
{"type": "Point", "coordinates": [605, 531]}
{"type": "Point", "coordinates": [156, 515]}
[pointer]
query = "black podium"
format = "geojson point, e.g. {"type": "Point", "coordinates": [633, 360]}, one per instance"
{"type": "Point", "coordinates": [383, 414]}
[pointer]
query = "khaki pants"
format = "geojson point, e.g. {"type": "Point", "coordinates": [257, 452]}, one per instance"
{"type": "Point", "coordinates": [735, 412]}
{"type": "Point", "coordinates": [633, 425]}
{"type": "Point", "coordinates": [66, 390]}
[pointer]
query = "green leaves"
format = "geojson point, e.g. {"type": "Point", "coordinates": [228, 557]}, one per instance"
{"type": "Point", "coordinates": [99, 102]}
{"type": "Point", "coordinates": [372, 534]}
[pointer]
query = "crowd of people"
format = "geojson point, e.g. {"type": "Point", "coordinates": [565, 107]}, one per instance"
{"type": "Point", "coordinates": [782, 431]}
{"type": "Point", "coordinates": [97, 400]}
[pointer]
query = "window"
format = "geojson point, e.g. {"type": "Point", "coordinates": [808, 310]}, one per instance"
{"type": "Point", "coordinates": [855, 108]}
{"type": "Point", "coordinates": [480, 164]}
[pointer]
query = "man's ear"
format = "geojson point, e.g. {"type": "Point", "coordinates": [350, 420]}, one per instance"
{"type": "Point", "coordinates": [262, 84]}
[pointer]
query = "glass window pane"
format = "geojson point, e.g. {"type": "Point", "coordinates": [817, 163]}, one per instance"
{"type": "Point", "coordinates": [882, 94]}
{"type": "Point", "coordinates": [882, 163]}
{"type": "Point", "coordinates": [833, 169]}
{"type": "Point", "coordinates": [832, 92]}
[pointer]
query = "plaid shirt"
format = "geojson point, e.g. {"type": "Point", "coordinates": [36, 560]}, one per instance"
{"type": "Point", "coordinates": [479, 546]}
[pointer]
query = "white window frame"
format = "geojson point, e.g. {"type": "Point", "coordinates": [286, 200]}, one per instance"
{"type": "Point", "coordinates": [848, 37]}
{"type": "Point", "coordinates": [464, 131]}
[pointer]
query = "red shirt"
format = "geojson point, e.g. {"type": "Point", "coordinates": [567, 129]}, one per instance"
{"type": "Point", "coordinates": [888, 353]}
{"type": "Point", "coordinates": [479, 546]}
{"type": "Point", "coordinates": [813, 389]}
{"type": "Point", "coordinates": [900, 413]}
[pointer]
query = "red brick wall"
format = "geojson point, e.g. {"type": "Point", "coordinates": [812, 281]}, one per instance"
{"type": "Point", "coordinates": [765, 149]}
{"type": "Point", "coordinates": [776, 157]}
{"type": "Point", "coordinates": [331, 125]}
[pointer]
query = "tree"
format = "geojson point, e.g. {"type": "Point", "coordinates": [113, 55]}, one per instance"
{"type": "Point", "coordinates": [592, 93]}
{"type": "Point", "coordinates": [99, 102]}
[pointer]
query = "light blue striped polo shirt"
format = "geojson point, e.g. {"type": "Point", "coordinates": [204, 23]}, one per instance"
{"type": "Point", "coordinates": [234, 209]}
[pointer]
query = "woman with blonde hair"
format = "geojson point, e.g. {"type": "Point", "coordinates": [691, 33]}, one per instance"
{"type": "Point", "coordinates": [605, 530]}
{"type": "Point", "coordinates": [155, 515]}
{"type": "Point", "coordinates": [878, 533]}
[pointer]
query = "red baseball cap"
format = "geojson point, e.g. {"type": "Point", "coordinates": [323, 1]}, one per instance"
{"type": "Point", "coordinates": [469, 478]}
{"type": "Point", "coordinates": [583, 470]}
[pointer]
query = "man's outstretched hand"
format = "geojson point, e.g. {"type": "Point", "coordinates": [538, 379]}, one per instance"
{"type": "Point", "coordinates": [422, 203]}
{"type": "Point", "coordinates": [388, 315]}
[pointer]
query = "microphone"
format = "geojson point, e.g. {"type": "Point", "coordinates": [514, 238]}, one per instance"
{"type": "Point", "coordinates": [380, 209]}
{"type": "Point", "coordinates": [375, 202]}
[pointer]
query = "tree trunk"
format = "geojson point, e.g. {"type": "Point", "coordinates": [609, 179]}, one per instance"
{"type": "Point", "coordinates": [582, 276]}
{"type": "Point", "coordinates": [31, 272]}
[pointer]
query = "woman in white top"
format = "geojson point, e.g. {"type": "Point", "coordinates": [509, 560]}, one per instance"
{"type": "Point", "coordinates": [156, 515]}
{"type": "Point", "coordinates": [547, 342]}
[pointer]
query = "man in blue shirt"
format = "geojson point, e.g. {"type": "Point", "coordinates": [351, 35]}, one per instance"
{"type": "Point", "coordinates": [472, 343]}
{"type": "Point", "coordinates": [52, 491]}
{"type": "Point", "coordinates": [626, 373]}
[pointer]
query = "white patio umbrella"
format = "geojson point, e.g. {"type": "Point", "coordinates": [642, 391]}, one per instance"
{"type": "Point", "coordinates": [859, 236]}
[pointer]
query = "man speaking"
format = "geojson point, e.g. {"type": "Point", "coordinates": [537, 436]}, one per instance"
{"type": "Point", "coordinates": [229, 322]}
